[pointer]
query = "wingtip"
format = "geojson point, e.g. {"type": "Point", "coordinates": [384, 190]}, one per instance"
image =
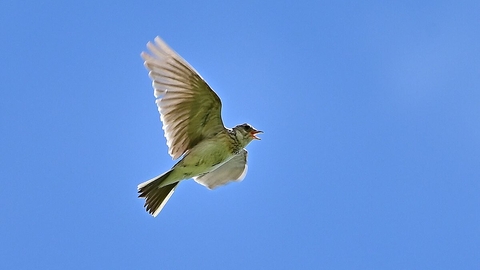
{"type": "Point", "coordinates": [158, 40]}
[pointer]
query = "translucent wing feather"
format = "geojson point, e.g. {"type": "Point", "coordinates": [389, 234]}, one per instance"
{"type": "Point", "coordinates": [189, 109]}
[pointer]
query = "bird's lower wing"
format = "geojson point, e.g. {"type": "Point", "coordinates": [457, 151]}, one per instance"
{"type": "Point", "coordinates": [233, 170]}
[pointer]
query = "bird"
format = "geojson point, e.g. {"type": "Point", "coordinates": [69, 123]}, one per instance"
{"type": "Point", "coordinates": [190, 111]}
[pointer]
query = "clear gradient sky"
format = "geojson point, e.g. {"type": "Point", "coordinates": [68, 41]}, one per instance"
{"type": "Point", "coordinates": [370, 157]}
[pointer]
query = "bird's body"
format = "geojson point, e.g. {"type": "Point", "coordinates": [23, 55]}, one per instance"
{"type": "Point", "coordinates": [190, 111]}
{"type": "Point", "coordinates": [204, 157]}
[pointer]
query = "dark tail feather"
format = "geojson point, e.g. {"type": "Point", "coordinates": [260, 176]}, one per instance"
{"type": "Point", "coordinates": [155, 196]}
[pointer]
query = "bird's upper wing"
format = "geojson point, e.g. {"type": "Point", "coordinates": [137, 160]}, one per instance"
{"type": "Point", "coordinates": [233, 170]}
{"type": "Point", "coordinates": [189, 109]}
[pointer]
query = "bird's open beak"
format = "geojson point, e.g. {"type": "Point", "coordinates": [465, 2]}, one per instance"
{"type": "Point", "coordinates": [253, 133]}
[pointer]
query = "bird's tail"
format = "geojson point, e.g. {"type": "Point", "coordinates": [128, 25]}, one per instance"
{"type": "Point", "coordinates": [156, 195]}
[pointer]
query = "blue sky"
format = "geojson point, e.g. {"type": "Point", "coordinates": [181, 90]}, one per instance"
{"type": "Point", "coordinates": [370, 157]}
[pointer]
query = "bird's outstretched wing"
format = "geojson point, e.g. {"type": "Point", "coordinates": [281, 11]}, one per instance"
{"type": "Point", "coordinates": [189, 109]}
{"type": "Point", "coordinates": [233, 170]}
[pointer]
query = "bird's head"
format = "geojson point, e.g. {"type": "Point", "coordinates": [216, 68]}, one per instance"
{"type": "Point", "coordinates": [245, 133]}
